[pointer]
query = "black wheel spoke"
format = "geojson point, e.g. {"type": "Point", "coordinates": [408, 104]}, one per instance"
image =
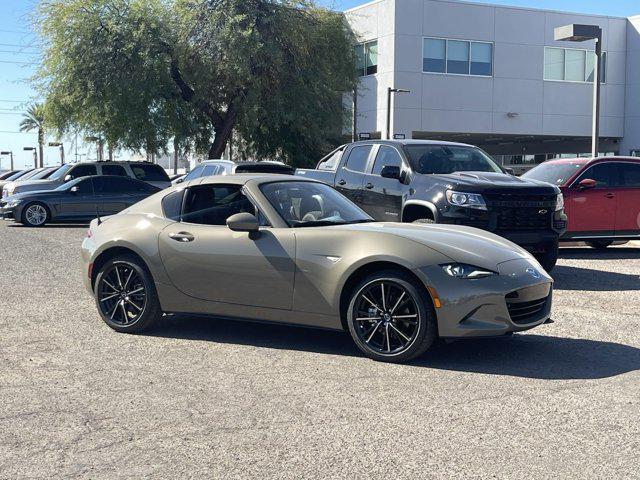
{"type": "Point", "coordinates": [121, 294]}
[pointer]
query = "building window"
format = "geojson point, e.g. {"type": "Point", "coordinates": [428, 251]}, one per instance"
{"type": "Point", "coordinates": [367, 58]}
{"type": "Point", "coordinates": [572, 65]}
{"type": "Point", "coordinates": [457, 57]}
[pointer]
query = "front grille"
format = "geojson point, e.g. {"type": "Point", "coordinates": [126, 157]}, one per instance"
{"type": "Point", "coordinates": [523, 218]}
{"type": "Point", "coordinates": [526, 312]}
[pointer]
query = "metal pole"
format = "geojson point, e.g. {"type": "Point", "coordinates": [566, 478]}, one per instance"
{"type": "Point", "coordinates": [389, 90]}
{"type": "Point", "coordinates": [11, 159]}
{"type": "Point", "coordinates": [61, 154]}
{"type": "Point", "coordinates": [595, 136]}
{"type": "Point", "coordinates": [354, 134]}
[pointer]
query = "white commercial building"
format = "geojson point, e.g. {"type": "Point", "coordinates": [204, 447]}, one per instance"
{"type": "Point", "coordinates": [494, 76]}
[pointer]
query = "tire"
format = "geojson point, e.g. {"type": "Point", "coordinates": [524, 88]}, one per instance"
{"type": "Point", "coordinates": [35, 214]}
{"type": "Point", "coordinates": [549, 258]}
{"type": "Point", "coordinates": [126, 296]}
{"type": "Point", "coordinates": [600, 244]}
{"type": "Point", "coordinates": [381, 337]}
{"type": "Point", "coordinates": [424, 220]}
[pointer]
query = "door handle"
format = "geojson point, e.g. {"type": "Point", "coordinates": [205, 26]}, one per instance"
{"type": "Point", "coordinates": [182, 237]}
{"type": "Point", "coordinates": [342, 182]}
{"type": "Point", "coordinates": [609, 195]}
{"type": "Point", "coordinates": [369, 186]}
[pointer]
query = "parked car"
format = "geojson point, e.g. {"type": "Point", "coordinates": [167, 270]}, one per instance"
{"type": "Point", "coordinates": [286, 249]}
{"type": "Point", "coordinates": [227, 167]}
{"type": "Point", "coordinates": [7, 174]}
{"type": "Point", "coordinates": [80, 199]}
{"type": "Point", "coordinates": [37, 174]}
{"type": "Point", "coordinates": [421, 181]}
{"type": "Point", "coordinates": [15, 176]}
{"type": "Point", "coordinates": [602, 197]}
{"type": "Point", "coordinates": [148, 172]}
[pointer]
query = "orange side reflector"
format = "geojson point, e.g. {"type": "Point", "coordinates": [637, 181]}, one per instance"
{"type": "Point", "coordinates": [434, 297]}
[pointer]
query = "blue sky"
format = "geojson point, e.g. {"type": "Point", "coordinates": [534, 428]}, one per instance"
{"type": "Point", "coordinates": [18, 50]}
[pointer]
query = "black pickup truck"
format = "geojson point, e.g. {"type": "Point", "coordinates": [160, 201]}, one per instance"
{"type": "Point", "coordinates": [442, 182]}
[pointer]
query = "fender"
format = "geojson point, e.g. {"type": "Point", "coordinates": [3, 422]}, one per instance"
{"type": "Point", "coordinates": [422, 203]}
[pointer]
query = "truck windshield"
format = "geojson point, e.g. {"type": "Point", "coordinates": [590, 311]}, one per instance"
{"type": "Point", "coordinates": [444, 159]}
{"type": "Point", "coordinates": [310, 204]}
{"type": "Point", "coordinates": [555, 173]}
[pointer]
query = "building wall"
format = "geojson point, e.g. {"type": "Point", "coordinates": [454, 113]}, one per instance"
{"type": "Point", "coordinates": [449, 103]}
{"type": "Point", "coordinates": [631, 139]}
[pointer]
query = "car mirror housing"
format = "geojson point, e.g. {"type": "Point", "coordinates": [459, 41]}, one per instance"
{"type": "Point", "coordinates": [389, 171]}
{"type": "Point", "coordinates": [67, 178]}
{"type": "Point", "coordinates": [74, 189]}
{"type": "Point", "coordinates": [587, 183]}
{"type": "Point", "coordinates": [243, 222]}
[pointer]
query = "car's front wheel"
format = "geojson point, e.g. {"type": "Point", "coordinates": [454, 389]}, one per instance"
{"type": "Point", "coordinates": [35, 215]}
{"type": "Point", "coordinates": [126, 296]}
{"type": "Point", "coordinates": [389, 318]}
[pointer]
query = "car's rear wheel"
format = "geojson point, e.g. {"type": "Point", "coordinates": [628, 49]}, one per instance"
{"type": "Point", "coordinates": [389, 318]}
{"type": "Point", "coordinates": [599, 244]}
{"type": "Point", "coordinates": [35, 215]}
{"type": "Point", "coordinates": [126, 296]}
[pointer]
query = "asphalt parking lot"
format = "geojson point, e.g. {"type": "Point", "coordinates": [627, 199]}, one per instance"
{"type": "Point", "coordinates": [208, 398]}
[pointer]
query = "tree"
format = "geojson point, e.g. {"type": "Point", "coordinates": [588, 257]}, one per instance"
{"type": "Point", "coordinates": [34, 120]}
{"type": "Point", "coordinates": [141, 72]}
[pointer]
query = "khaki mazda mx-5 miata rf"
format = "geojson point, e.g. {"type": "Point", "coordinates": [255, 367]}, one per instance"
{"type": "Point", "coordinates": [285, 249]}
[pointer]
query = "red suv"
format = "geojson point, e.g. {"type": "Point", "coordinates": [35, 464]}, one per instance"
{"type": "Point", "coordinates": [601, 197]}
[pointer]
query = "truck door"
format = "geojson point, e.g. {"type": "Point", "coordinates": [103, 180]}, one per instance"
{"type": "Point", "coordinates": [351, 173]}
{"type": "Point", "coordinates": [382, 197]}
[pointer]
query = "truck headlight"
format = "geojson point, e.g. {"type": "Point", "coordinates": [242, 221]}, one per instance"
{"type": "Point", "coordinates": [463, 199]}
{"type": "Point", "coordinates": [559, 202]}
{"type": "Point", "coordinates": [464, 271]}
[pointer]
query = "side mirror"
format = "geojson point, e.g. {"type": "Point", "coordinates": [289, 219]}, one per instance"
{"type": "Point", "coordinates": [244, 222]}
{"type": "Point", "coordinates": [509, 171]}
{"type": "Point", "coordinates": [587, 183]}
{"type": "Point", "coordinates": [389, 171]}
{"type": "Point", "coordinates": [180, 180]}
{"type": "Point", "coordinates": [67, 178]}
{"type": "Point", "coordinates": [74, 189]}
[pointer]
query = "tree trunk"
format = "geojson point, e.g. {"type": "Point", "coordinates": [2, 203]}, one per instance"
{"type": "Point", "coordinates": [222, 135]}
{"type": "Point", "coordinates": [175, 156]}
{"type": "Point", "coordinates": [41, 146]}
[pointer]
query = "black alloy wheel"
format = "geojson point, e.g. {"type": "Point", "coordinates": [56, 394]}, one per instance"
{"type": "Point", "coordinates": [125, 295]}
{"type": "Point", "coordinates": [389, 319]}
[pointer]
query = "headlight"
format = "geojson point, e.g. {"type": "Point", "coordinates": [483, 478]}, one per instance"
{"type": "Point", "coordinates": [469, 200]}
{"type": "Point", "coordinates": [464, 271]}
{"type": "Point", "coordinates": [559, 202]}
{"type": "Point", "coordinates": [13, 203]}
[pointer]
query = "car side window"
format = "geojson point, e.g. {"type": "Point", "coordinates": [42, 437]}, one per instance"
{"type": "Point", "coordinates": [605, 175]}
{"type": "Point", "coordinates": [85, 187]}
{"type": "Point", "coordinates": [195, 173]}
{"type": "Point", "coordinates": [117, 170]}
{"type": "Point", "coordinates": [213, 204]}
{"type": "Point", "coordinates": [172, 205]}
{"type": "Point", "coordinates": [386, 157]}
{"type": "Point", "coordinates": [332, 162]}
{"type": "Point", "coordinates": [629, 175]}
{"type": "Point", "coordinates": [83, 171]}
{"type": "Point", "coordinates": [357, 160]}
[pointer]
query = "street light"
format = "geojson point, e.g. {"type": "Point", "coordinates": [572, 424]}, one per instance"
{"type": "Point", "coordinates": [581, 33]}
{"type": "Point", "coordinates": [8, 152]}
{"type": "Point", "coordinates": [35, 154]}
{"type": "Point", "coordinates": [389, 92]}
{"type": "Point", "coordinates": [59, 144]}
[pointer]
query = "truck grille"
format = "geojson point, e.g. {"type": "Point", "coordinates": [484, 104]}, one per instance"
{"type": "Point", "coordinates": [526, 312]}
{"type": "Point", "coordinates": [522, 212]}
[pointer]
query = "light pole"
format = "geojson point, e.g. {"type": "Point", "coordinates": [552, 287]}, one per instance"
{"type": "Point", "coordinates": [10, 153]}
{"type": "Point", "coordinates": [581, 33]}
{"type": "Point", "coordinates": [389, 92]}
{"type": "Point", "coordinates": [61, 145]}
{"type": "Point", "coordinates": [35, 154]}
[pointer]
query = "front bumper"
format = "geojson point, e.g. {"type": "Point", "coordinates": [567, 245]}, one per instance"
{"type": "Point", "coordinates": [518, 299]}
{"type": "Point", "coordinates": [6, 213]}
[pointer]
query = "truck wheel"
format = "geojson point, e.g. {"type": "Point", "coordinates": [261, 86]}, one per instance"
{"type": "Point", "coordinates": [599, 244]}
{"type": "Point", "coordinates": [549, 257]}
{"type": "Point", "coordinates": [424, 220]}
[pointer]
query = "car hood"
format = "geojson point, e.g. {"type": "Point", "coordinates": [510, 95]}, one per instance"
{"type": "Point", "coordinates": [32, 185]}
{"type": "Point", "coordinates": [489, 182]}
{"type": "Point", "coordinates": [38, 195]}
{"type": "Point", "coordinates": [460, 243]}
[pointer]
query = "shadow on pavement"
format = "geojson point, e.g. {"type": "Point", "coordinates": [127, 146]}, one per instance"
{"type": "Point", "coordinates": [575, 278]}
{"type": "Point", "coordinates": [528, 356]}
{"type": "Point", "coordinates": [51, 225]}
{"type": "Point", "coordinates": [612, 253]}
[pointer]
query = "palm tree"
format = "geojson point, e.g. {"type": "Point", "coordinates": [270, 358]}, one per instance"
{"type": "Point", "coordinates": [34, 119]}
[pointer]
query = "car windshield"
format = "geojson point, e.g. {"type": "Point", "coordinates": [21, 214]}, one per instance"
{"type": "Point", "coordinates": [19, 174]}
{"type": "Point", "coordinates": [444, 159]}
{"type": "Point", "coordinates": [555, 173]}
{"type": "Point", "coordinates": [46, 173]}
{"type": "Point", "coordinates": [309, 204]}
{"type": "Point", "coordinates": [61, 172]}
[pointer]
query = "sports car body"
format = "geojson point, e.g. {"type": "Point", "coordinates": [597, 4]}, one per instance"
{"type": "Point", "coordinates": [286, 249]}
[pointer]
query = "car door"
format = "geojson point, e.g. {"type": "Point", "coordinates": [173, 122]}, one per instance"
{"type": "Point", "coordinates": [382, 197]}
{"type": "Point", "coordinates": [628, 199]}
{"type": "Point", "coordinates": [205, 259]}
{"type": "Point", "coordinates": [593, 209]}
{"type": "Point", "coordinates": [350, 175]}
{"type": "Point", "coordinates": [79, 201]}
{"type": "Point", "coordinates": [110, 194]}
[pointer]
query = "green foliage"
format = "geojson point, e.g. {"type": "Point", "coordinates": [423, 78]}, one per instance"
{"type": "Point", "coordinates": [34, 119]}
{"type": "Point", "coordinates": [140, 72]}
